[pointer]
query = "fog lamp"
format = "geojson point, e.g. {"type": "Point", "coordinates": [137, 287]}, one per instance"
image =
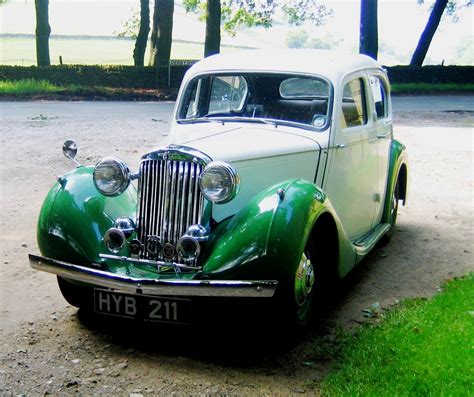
{"type": "Point", "coordinates": [114, 240]}
{"type": "Point", "coordinates": [188, 248]}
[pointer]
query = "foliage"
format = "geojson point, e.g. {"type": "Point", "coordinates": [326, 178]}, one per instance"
{"type": "Point", "coordinates": [452, 8]}
{"type": "Point", "coordinates": [248, 13]}
{"type": "Point", "coordinates": [94, 76]}
{"type": "Point", "coordinates": [424, 347]}
{"type": "Point", "coordinates": [300, 11]}
{"type": "Point", "coordinates": [430, 88]}
{"type": "Point", "coordinates": [431, 74]}
{"type": "Point", "coordinates": [301, 39]}
{"type": "Point", "coordinates": [131, 26]}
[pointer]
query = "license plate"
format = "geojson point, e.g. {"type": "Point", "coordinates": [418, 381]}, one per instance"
{"type": "Point", "coordinates": [144, 307]}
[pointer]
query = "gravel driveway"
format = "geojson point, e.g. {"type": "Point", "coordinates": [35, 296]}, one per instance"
{"type": "Point", "coordinates": [48, 347]}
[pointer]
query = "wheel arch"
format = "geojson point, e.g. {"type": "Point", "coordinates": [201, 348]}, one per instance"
{"type": "Point", "coordinates": [324, 242]}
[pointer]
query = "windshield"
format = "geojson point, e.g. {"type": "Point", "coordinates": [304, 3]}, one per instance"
{"type": "Point", "coordinates": [270, 97]}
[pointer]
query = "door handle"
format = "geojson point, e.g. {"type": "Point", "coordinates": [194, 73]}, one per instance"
{"type": "Point", "coordinates": [340, 146]}
{"type": "Point", "coordinates": [381, 136]}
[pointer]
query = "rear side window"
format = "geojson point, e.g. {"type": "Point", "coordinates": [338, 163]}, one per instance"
{"type": "Point", "coordinates": [379, 94]}
{"type": "Point", "coordinates": [354, 109]}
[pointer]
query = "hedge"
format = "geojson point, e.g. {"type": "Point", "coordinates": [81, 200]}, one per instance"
{"type": "Point", "coordinates": [431, 74]}
{"type": "Point", "coordinates": [148, 77]}
{"type": "Point", "coordinates": [94, 75]}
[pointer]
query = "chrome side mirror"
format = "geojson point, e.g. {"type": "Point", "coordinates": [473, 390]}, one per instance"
{"type": "Point", "coordinates": [70, 151]}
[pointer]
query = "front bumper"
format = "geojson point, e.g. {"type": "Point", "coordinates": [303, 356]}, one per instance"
{"type": "Point", "coordinates": [133, 285]}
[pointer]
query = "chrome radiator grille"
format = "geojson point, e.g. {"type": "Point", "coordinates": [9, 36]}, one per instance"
{"type": "Point", "coordinates": [169, 201]}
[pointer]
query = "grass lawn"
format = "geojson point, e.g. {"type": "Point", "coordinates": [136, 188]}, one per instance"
{"type": "Point", "coordinates": [42, 89]}
{"type": "Point", "coordinates": [422, 348]}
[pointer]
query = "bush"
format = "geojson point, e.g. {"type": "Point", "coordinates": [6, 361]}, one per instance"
{"type": "Point", "coordinates": [150, 77]}
{"type": "Point", "coordinates": [93, 75]}
{"type": "Point", "coordinates": [431, 74]}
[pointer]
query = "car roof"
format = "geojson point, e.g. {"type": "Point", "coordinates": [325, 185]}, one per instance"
{"type": "Point", "coordinates": [331, 64]}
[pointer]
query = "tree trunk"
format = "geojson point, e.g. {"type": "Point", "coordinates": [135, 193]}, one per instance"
{"type": "Point", "coordinates": [212, 44]}
{"type": "Point", "coordinates": [428, 33]}
{"type": "Point", "coordinates": [368, 42]}
{"type": "Point", "coordinates": [162, 33]}
{"type": "Point", "coordinates": [43, 30]}
{"type": "Point", "coordinates": [142, 38]}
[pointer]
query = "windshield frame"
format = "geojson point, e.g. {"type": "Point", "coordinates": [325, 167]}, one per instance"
{"type": "Point", "coordinates": [238, 118]}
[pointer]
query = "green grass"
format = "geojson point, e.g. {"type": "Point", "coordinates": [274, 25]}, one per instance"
{"type": "Point", "coordinates": [431, 88]}
{"type": "Point", "coordinates": [31, 86]}
{"type": "Point", "coordinates": [422, 348]}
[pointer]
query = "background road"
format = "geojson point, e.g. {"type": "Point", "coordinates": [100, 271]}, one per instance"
{"type": "Point", "coordinates": [46, 347]}
{"type": "Point", "coordinates": [162, 110]}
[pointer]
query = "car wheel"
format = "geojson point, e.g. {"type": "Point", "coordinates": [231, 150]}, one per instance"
{"type": "Point", "coordinates": [392, 215]}
{"type": "Point", "coordinates": [76, 295]}
{"type": "Point", "coordinates": [304, 289]}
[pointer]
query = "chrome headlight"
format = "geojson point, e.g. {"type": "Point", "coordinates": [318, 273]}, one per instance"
{"type": "Point", "coordinates": [219, 182]}
{"type": "Point", "coordinates": [111, 176]}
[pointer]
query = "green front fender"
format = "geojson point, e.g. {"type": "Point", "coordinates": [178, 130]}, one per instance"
{"type": "Point", "coordinates": [75, 216]}
{"type": "Point", "coordinates": [266, 238]}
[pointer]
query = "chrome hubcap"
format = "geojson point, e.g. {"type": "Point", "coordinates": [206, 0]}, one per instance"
{"type": "Point", "coordinates": [304, 280]}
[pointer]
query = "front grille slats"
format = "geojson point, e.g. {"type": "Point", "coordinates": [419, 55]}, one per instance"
{"type": "Point", "coordinates": [169, 200]}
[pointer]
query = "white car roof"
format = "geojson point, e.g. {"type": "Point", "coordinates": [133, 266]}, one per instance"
{"type": "Point", "coordinates": [333, 65]}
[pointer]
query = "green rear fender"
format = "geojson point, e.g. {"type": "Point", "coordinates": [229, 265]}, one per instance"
{"type": "Point", "coordinates": [75, 216]}
{"type": "Point", "coordinates": [266, 238]}
{"type": "Point", "coordinates": [398, 165]}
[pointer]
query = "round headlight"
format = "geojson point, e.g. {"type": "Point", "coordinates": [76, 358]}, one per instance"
{"type": "Point", "coordinates": [219, 182]}
{"type": "Point", "coordinates": [111, 176]}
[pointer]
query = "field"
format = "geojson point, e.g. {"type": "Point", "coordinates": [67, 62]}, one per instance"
{"type": "Point", "coordinates": [106, 51]}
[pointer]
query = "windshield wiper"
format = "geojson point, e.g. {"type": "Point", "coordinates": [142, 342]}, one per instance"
{"type": "Point", "coordinates": [200, 120]}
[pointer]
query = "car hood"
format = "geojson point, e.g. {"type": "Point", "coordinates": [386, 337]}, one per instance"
{"type": "Point", "coordinates": [235, 142]}
{"type": "Point", "coordinates": [263, 155]}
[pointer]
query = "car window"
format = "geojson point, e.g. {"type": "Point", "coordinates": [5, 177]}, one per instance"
{"type": "Point", "coordinates": [379, 94]}
{"type": "Point", "coordinates": [228, 94]}
{"type": "Point", "coordinates": [301, 87]}
{"type": "Point", "coordinates": [354, 110]}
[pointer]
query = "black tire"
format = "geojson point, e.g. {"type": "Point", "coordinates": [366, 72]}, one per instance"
{"type": "Point", "coordinates": [298, 299]}
{"type": "Point", "coordinates": [75, 295]}
{"type": "Point", "coordinates": [387, 237]}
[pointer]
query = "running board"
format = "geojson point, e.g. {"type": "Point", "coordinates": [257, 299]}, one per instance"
{"type": "Point", "coordinates": [364, 244]}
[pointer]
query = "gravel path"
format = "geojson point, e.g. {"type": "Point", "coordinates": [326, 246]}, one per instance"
{"type": "Point", "coordinates": [46, 346]}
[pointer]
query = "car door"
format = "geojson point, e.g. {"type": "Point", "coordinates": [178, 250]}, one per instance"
{"type": "Point", "coordinates": [352, 175]}
{"type": "Point", "coordinates": [382, 124]}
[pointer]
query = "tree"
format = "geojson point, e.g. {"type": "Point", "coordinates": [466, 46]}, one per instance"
{"type": "Point", "coordinates": [232, 14]}
{"type": "Point", "coordinates": [142, 36]}
{"type": "Point", "coordinates": [428, 33]}
{"type": "Point", "coordinates": [43, 30]}
{"type": "Point", "coordinates": [162, 33]}
{"type": "Point", "coordinates": [212, 42]}
{"type": "Point", "coordinates": [368, 40]}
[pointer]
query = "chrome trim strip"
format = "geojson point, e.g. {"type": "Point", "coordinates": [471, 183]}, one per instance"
{"type": "Point", "coordinates": [133, 285]}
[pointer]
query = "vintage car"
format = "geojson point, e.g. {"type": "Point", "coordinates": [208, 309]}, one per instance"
{"type": "Point", "coordinates": [281, 172]}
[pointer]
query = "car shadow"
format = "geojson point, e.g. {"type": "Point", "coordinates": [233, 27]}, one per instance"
{"type": "Point", "coordinates": [241, 338]}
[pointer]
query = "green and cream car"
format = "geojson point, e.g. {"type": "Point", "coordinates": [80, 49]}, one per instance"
{"type": "Point", "coordinates": [281, 172]}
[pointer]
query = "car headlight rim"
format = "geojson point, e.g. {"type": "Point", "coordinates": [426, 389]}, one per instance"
{"type": "Point", "coordinates": [110, 185]}
{"type": "Point", "coordinates": [228, 192]}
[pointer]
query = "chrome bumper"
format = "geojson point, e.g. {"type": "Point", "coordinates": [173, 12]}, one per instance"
{"type": "Point", "coordinates": [210, 288]}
